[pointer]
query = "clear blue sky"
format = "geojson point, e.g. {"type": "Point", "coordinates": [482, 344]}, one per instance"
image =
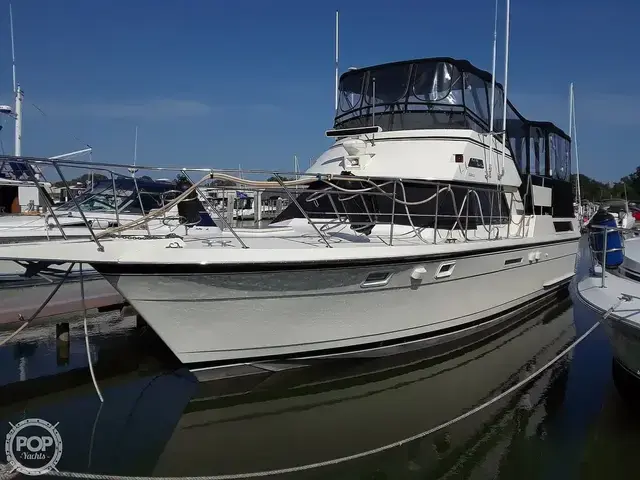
{"type": "Point", "coordinates": [218, 83]}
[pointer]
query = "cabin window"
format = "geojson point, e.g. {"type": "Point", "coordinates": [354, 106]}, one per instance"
{"type": "Point", "coordinates": [391, 84]}
{"type": "Point", "coordinates": [351, 92]}
{"type": "Point", "coordinates": [458, 206]}
{"type": "Point", "coordinates": [476, 96]}
{"type": "Point", "coordinates": [563, 226]}
{"type": "Point", "coordinates": [537, 151]}
{"type": "Point", "coordinates": [437, 82]}
{"type": "Point", "coordinates": [560, 156]}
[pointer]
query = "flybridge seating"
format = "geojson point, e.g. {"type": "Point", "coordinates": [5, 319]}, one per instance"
{"type": "Point", "coordinates": [445, 93]}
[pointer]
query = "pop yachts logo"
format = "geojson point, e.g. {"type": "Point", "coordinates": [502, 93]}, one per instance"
{"type": "Point", "coordinates": [33, 446]}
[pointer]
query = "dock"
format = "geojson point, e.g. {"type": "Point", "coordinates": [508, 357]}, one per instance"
{"type": "Point", "coordinates": [24, 302]}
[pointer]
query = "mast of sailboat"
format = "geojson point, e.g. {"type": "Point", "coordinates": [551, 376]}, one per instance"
{"type": "Point", "coordinates": [573, 133]}
{"type": "Point", "coordinates": [493, 91]}
{"type": "Point", "coordinates": [135, 148]}
{"type": "Point", "coordinates": [134, 169]}
{"type": "Point", "coordinates": [296, 168]}
{"type": "Point", "coordinates": [505, 89]}
{"type": "Point", "coordinates": [18, 94]}
{"type": "Point", "coordinates": [336, 65]}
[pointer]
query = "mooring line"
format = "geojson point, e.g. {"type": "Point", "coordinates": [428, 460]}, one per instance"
{"type": "Point", "coordinates": [348, 458]}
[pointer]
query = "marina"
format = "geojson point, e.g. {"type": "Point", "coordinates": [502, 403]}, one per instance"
{"type": "Point", "coordinates": [440, 293]}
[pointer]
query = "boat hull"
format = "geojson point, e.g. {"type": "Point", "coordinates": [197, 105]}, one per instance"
{"type": "Point", "coordinates": [240, 316]}
{"type": "Point", "coordinates": [618, 316]}
{"type": "Point", "coordinates": [625, 343]}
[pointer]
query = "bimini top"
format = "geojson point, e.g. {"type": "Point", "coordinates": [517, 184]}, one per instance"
{"type": "Point", "coordinates": [443, 92]}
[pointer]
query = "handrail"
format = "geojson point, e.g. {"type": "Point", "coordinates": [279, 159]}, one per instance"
{"type": "Point", "coordinates": [339, 189]}
{"type": "Point", "coordinates": [606, 229]}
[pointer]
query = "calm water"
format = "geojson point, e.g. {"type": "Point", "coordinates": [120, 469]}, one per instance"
{"type": "Point", "coordinates": [569, 423]}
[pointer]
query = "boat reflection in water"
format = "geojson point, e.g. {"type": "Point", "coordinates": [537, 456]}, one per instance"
{"type": "Point", "coordinates": [165, 423]}
{"type": "Point", "coordinates": [282, 423]}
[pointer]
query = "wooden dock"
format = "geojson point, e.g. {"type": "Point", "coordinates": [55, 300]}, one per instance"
{"type": "Point", "coordinates": [99, 294]}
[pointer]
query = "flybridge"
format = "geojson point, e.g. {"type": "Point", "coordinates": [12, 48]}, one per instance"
{"type": "Point", "coordinates": [445, 93]}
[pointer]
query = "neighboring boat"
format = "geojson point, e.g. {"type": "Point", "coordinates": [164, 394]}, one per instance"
{"type": "Point", "coordinates": [105, 205]}
{"type": "Point", "coordinates": [619, 208]}
{"type": "Point", "coordinates": [415, 224]}
{"type": "Point", "coordinates": [613, 292]}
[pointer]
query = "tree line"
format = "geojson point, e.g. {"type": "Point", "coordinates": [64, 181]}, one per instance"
{"type": "Point", "coordinates": [594, 191]}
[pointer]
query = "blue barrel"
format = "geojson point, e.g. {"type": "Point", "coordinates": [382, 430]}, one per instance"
{"type": "Point", "coordinates": [614, 239]}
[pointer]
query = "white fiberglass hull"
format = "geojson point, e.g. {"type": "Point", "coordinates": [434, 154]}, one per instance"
{"type": "Point", "coordinates": [625, 342]}
{"type": "Point", "coordinates": [621, 326]}
{"type": "Point", "coordinates": [617, 303]}
{"type": "Point", "coordinates": [236, 316]}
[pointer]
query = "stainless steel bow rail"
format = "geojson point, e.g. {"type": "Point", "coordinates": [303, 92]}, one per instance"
{"type": "Point", "coordinates": [341, 191]}
{"type": "Point", "coordinates": [339, 460]}
{"type": "Point", "coordinates": [604, 230]}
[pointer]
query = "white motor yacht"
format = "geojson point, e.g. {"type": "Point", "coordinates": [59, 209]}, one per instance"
{"type": "Point", "coordinates": [416, 224]}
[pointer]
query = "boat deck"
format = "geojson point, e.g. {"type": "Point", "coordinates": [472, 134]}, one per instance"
{"type": "Point", "coordinates": [266, 245]}
{"type": "Point", "coordinates": [591, 290]}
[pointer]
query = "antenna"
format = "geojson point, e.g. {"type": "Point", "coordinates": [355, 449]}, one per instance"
{"type": "Point", "coordinates": [506, 83]}
{"type": "Point", "coordinates": [18, 94]}
{"type": "Point", "coordinates": [493, 89]}
{"type": "Point", "coordinates": [336, 86]}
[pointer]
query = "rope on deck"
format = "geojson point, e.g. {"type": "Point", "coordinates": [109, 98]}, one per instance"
{"type": "Point", "coordinates": [348, 458]}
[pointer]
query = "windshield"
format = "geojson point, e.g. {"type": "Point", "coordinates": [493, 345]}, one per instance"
{"type": "Point", "coordinates": [98, 200]}
{"type": "Point", "coordinates": [103, 199]}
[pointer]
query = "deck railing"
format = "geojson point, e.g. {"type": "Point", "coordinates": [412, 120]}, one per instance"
{"type": "Point", "coordinates": [601, 232]}
{"type": "Point", "coordinates": [351, 201]}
